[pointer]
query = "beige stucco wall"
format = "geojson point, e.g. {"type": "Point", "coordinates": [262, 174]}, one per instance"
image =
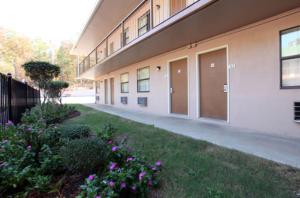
{"type": "Point", "coordinates": [255, 101]}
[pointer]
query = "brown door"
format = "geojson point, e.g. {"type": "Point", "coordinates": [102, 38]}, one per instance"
{"type": "Point", "coordinates": [179, 87]}
{"type": "Point", "coordinates": [213, 84]}
{"type": "Point", "coordinates": [177, 5]}
{"type": "Point", "coordinates": [105, 91]}
{"type": "Point", "coordinates": [112, 92]}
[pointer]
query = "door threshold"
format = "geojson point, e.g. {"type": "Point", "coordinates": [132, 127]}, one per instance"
{"type": "Point", "coordinates": [213, 121]}
{"type": "Point", "coordinates": [176, 115]}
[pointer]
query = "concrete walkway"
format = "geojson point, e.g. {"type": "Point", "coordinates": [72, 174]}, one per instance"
{"type": "Point", "coordinates": [278, 149]}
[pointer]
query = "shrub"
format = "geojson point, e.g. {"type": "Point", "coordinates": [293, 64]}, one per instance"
{"type": "Point", "coordinates": [55, 89]}
{"type": "Point", "coordinates": [85, 155]}
{"type": "Point", "coordinates": [75, 132]}
{"type": "Point", "coordinates": [107, 132]}
{"type": "Point", "coordinates": [50, 113]}
{"type": "Point", "coordinates": [127, 175]}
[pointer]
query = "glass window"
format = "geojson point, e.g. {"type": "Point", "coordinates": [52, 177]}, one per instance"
{"type": "Point", "coordinates": [290, 58]}
{"type": "Point", "coordinates": [98, 87]}
{"type": "Point", "coordinates": [111, 47]}
{"type": "Point", "coordinates": [125, 37]}
{"type": "Point", "coordinates": [143, 79]}
{"type": "Point", "coordinates": [144, 23]}
{"type": "Point", "coordinates": [124, 83]}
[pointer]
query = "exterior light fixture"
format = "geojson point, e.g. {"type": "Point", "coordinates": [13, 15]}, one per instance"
{"type": "Point", "coordinates": [158, 68]}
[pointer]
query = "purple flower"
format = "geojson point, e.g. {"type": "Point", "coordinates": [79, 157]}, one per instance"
{"type": "Point", "coordinates": [111, 184]}
{"type": "Point", "coordinates": [114, 148]}
{"type": "Point", "coordinates": [158, 163]}
{"type": "Point", "coordinates": [4, 141]}
{"type": "Point", "coordinates": [123, 185]}
{"type": "Point", "coordinates": [99, 196]}
{"type": "Point", "coordinates": [29, 129]}
{"type": "Point", "coordinates": [133, 188]}
{"type": "Point", "coordinates": [29, 147]}
{"type": "Point", "coordinates": [113, 166]}
{"type": "Point", "coordinates": [110, 142]}
{"type": "Point", "coordinates": [91, 177]}
{"type": "Point", "coordinates": [153, 168]}
{"type": "Point", "coordinates": [129, 159]}
{"type": "Point", "coordinates": [141, 175]}
{"type": "Point", "coordinates": [9, 123]}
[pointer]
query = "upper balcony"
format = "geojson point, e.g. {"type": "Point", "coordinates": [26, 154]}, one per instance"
{"type": "Point", "coordinates": [158, 26]}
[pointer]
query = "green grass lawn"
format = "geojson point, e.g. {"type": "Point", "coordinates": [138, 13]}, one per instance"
{"type": "Point", "coordinates": [194, 168]}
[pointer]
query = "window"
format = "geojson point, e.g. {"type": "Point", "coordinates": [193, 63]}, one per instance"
{"type": "Point", "coordinates": [290, 58]}
{"type": "Point", "coordinates": [144, 23]}
{"type": "Point", "coordinates": [126, 36]}
{"type": "Point", "coordinates": [143, 79]}
{"type": "Point", "coordinates": [124, 83]}
{"type": "Point", "coordinates": [98, 87]}
{"type": "Point", "coordinates": [111, 48]}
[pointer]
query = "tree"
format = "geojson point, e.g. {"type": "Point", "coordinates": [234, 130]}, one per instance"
{"type": "Point", "coordinates": [41, 73]}
{"type": "Point", "coordinates": [40, 51]}
{"type": "Point", "coordinates": [55, 90]}
{"type": "Point", "coordinates": [66, 61]}
{"type": "Point", "coordinates": [14, 51]}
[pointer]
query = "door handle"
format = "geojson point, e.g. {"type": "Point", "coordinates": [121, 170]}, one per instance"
{"type": "Point", "coordinates": [171, 90]}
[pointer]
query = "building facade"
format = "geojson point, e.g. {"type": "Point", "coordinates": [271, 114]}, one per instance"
{"type": "Point", "coordinates": [236, 63]}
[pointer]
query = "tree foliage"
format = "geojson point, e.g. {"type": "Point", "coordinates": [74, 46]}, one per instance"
{"type": "Point", "coordinates": [41, 72]}
{"type": "Point", "coordinates": [55, 89]}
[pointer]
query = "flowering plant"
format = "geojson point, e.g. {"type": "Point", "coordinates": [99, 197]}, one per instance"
{"type": "Point", "coordinates": [126, 175]}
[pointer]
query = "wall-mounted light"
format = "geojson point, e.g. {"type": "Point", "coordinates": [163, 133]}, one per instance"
{"type": "Point", "coordinates": [158, 68]}
{"type": "Point", "coordinates": [157, 6]}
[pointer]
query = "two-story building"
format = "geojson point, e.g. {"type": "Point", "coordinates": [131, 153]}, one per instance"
{"type": "Point", "coordinates": [233, 61]}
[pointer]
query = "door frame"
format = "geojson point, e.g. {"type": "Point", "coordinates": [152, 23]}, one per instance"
{"type": "Point", "coordinates": [112, 90]}
{"type": "Point", "coordinates": [198, 92]}
{"type": "Point", "coordinates": [169, 86]}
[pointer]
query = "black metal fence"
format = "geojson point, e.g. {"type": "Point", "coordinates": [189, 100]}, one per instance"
{"type": "Point", "coordinates": [15, 98]}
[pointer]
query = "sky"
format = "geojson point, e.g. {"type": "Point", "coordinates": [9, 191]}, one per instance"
{"type": "Point", "coordinates": [50, 20]}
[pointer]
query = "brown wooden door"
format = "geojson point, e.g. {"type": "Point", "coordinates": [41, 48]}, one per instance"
{"type": "Point", "coordinates": [213, 84]}
{"type": "Point", "coordinates": [179, 87]}
{"type": "Point", "coordinates": [105, 91]}
{"type": "Point", "coordinates": [112, 91]}
{"type": "Point", "coordinates": [177, 5]}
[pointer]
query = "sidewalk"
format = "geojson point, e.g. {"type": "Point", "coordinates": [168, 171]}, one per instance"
{"type": "Point", "coordinates": [278, 149]}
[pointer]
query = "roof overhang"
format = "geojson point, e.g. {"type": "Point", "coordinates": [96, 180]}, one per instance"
{"type": "Point", "coordinates": [196, 23]}
{"type": "Point", "coordinates": [106, 15]}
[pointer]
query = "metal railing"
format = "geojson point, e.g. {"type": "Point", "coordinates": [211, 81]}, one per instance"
{"type": "Point", "coordinates": [127, 30]}
{"type": "Point", "coordinates": [15, 98]}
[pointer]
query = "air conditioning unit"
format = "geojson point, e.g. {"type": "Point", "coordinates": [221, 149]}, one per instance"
{"type": "Point", "coordinates": [142, 101]}
{"type": "Point", "coordinates": [124, 100]}
{"type": "Point", "coordinates": [297, 111]}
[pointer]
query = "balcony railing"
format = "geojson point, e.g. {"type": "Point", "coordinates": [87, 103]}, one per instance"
{"type": "Point", "coordinates": [146, 16]}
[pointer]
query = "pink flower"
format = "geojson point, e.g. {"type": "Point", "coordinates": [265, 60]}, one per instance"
{"type": "Point", "coordinates": [113, 166]}
{"type": "Point", "coordinates": [110, 142]}
{"type": "Point", "coordinates": [91, 177]}
{"type": "Point", "coordinates": [158, 163]}
{"type": "Point", "coordinates": [141, 175]}
{"type": "Point", "coordinates": [111, 184]}
{"type": "Point", "coordinates": [129, 159]}
{"type": "Point", "coordinates": [114, 148]}
{"type": "Point", "coordinates": [29, 147]}
{"type": "Point", "coordinates": [123, 185]}
{"type": "Point", "coordinates": [99, 196]}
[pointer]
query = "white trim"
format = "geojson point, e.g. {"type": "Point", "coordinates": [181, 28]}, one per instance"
{"type": "Point", "coordinates": [188, 87]}
{"type": "Point", "coordinates": [198, 79]}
